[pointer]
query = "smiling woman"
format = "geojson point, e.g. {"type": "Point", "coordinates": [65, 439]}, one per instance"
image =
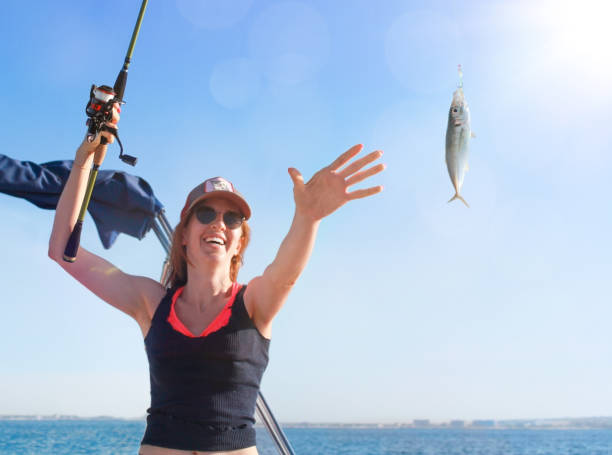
{"type": "Point", "coordinates": [206, 335]}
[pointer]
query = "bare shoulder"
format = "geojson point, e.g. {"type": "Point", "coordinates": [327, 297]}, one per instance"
{"type": "Point", "coordinates": [262, 302]}
{"type": "Point", "coordinates": [251, 293]}
{"type": "Point", "coordinates": [151, 291]}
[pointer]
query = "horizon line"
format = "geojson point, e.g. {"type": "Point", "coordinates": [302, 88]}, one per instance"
{"type": "Point", "coordinates": [419, 422]}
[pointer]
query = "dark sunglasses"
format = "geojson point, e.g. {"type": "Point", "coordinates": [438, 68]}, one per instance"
{"type": "Point", "coordinates": [207, 215]}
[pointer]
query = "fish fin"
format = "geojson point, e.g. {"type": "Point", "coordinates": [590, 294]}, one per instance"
{"type": "Point", "coordinates": [472, 134]}
{"type": "Point", "coordinates": [458, 196]}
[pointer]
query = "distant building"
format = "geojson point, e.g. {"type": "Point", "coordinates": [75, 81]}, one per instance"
{"type": "Point", "coordinates": [421, 423]}
{"type": "Point", "coordinates": [483, 423]}
{"type": "Point", "coordinates": [457, 423]}
{"type": "Point", "coordinates": [513, 423]}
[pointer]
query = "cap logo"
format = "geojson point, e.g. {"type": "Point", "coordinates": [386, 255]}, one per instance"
{"type": "Point", "coordinates": [217, 184]}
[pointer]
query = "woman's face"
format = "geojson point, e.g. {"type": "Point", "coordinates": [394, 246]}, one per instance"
{"type": "Point", "coordinates": [213, 242]}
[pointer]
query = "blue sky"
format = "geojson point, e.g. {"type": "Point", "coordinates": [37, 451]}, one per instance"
{"type": "Point", "coordinates": [410, 307]}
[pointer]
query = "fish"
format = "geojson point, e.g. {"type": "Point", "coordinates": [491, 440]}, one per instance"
{"type": "Point", "coordinates": [458, 135]}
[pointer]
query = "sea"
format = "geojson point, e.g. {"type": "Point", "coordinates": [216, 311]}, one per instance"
{"type": "Point", "coordinates": [122, 437]}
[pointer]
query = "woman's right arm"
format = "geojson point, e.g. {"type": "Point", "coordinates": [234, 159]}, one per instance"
{"type": "Point", "coordinates": [134, 295]}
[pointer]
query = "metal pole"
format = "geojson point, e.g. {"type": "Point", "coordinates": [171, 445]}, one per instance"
{"type": "Point", "coordinates": [165, 224]}
{"type": "Point", "coordinates": [266, 416]}
{"type": "Point", "coordinates": [161, 236]}
{"type": "Point", "coordinates": [164, 234]}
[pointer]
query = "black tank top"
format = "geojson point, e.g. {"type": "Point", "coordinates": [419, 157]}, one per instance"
{"type": "Point", "coordinates": [203, 389]}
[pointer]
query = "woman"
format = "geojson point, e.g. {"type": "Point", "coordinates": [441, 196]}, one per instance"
{"type": "Point", "coordinates": [207, 336]}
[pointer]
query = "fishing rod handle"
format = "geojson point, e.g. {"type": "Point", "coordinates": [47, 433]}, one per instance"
{"type": "Point", "coordinates": [120, 84]}
{"type": "Point", "coordinates": [72, 246]}
{"type": "Point", "coordinates": [70, 253]}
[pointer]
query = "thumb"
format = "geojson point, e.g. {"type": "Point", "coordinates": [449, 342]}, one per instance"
{"type": "Point", "coordinates": [297, 178]}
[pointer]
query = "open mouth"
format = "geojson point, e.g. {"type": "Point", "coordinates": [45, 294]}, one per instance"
{"type": "Point", "coordinates": [214, 241]}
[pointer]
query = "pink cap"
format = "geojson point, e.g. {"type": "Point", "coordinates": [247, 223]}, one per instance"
{"type": "Point", "coordinates": [217, 187]}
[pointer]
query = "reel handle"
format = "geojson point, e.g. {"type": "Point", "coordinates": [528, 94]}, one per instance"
{"type": "Point", "coordinates": [129, 159]}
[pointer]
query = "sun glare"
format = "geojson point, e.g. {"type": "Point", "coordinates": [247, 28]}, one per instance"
{"type": "Point", "coordinates": [579, 37]}
{"type": "Point", "coordinates": [584, 28]}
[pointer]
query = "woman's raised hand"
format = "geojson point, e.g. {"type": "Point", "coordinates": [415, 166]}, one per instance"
{"type": "Point", "coordinates": [95, 146]}
{"type": "Point", "coordinates": [327, 190]}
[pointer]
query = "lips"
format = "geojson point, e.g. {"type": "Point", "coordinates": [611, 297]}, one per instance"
{"type": "Point", "coordinates": [214, 240]}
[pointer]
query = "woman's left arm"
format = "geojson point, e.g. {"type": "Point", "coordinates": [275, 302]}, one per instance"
{"type": "Point", "coordinates": [324, 193]}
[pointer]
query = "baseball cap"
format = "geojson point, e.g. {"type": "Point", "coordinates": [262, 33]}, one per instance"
{"type": "Point", "coordinates": [217, 187]}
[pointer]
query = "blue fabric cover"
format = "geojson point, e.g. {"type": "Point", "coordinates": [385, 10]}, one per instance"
{"type": "Point", "coordinates": [120, 202]}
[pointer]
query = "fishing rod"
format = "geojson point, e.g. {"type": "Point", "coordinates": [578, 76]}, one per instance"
{"type": "Point", "coordinates": [99, 110]}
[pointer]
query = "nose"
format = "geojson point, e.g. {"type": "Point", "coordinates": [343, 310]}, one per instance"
{"type": "Point", "coordinates": [218, 222]}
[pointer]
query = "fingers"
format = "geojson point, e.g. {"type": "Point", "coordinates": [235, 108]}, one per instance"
{"type": "Point", "coordinates": [360, 163]}
{"type": "Point", "coordinates": [296, 176]}
{"type": "Point", "coordinates": [345, 157]}
{"type": "Point", "coordinates": [360, 176]}
{"type": "Point", "coordinates": [110, 138]}
{"type": "Point", "coordinates": [116, 112]}
{"type": "Point", "coordinates": [93, 143]}
{"type": "Point", "coordinates": [355, 175]}
{"type": "Point", "coordinates": [358, 194]}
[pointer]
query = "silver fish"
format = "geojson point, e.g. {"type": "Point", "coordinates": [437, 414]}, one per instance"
{"type": "Point", "coordinates": [458, 135]}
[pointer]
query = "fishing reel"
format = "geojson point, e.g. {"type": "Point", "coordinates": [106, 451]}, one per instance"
{"type": "Point", "coordinates": [99, 109]}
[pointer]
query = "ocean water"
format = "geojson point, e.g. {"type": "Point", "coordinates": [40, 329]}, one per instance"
{"type": "Point", "coordinates": [117, 437]}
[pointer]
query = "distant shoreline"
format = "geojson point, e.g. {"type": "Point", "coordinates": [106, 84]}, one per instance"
{"type": "Point", "coordinates": [586, 423]}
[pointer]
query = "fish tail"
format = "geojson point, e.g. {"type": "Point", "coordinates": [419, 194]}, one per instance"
{"type": "Point", "coordinates": [458, 196]}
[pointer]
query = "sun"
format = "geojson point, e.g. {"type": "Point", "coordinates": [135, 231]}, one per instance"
{"type": "Point", "coordinates": [578, 36]}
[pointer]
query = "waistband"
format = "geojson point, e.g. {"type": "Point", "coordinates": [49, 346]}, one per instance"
{"type": "Point", "coordinates": [173, 432]}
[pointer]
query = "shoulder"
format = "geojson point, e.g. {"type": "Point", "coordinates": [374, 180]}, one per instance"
{"type": "Point", "coordinates": [249, 293]}
{"type": "Point", "coordinates": [151, 293]}
{"type": "Point", "coordinates": [253, 296]}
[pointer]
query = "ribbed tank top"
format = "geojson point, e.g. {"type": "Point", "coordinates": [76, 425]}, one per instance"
{"type": "Point", "coordinates": [203, 389]}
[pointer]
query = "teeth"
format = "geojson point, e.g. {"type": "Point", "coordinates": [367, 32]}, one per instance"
{"type": "Point", "coordinates": [214, 240]}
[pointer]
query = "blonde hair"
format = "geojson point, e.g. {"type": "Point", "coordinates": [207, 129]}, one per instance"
{"type": "Point", "coordinates": [177, 269]}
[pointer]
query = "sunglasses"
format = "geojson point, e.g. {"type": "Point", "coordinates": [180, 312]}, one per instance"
{"type": "Point", "coordinates": [207, 215]}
